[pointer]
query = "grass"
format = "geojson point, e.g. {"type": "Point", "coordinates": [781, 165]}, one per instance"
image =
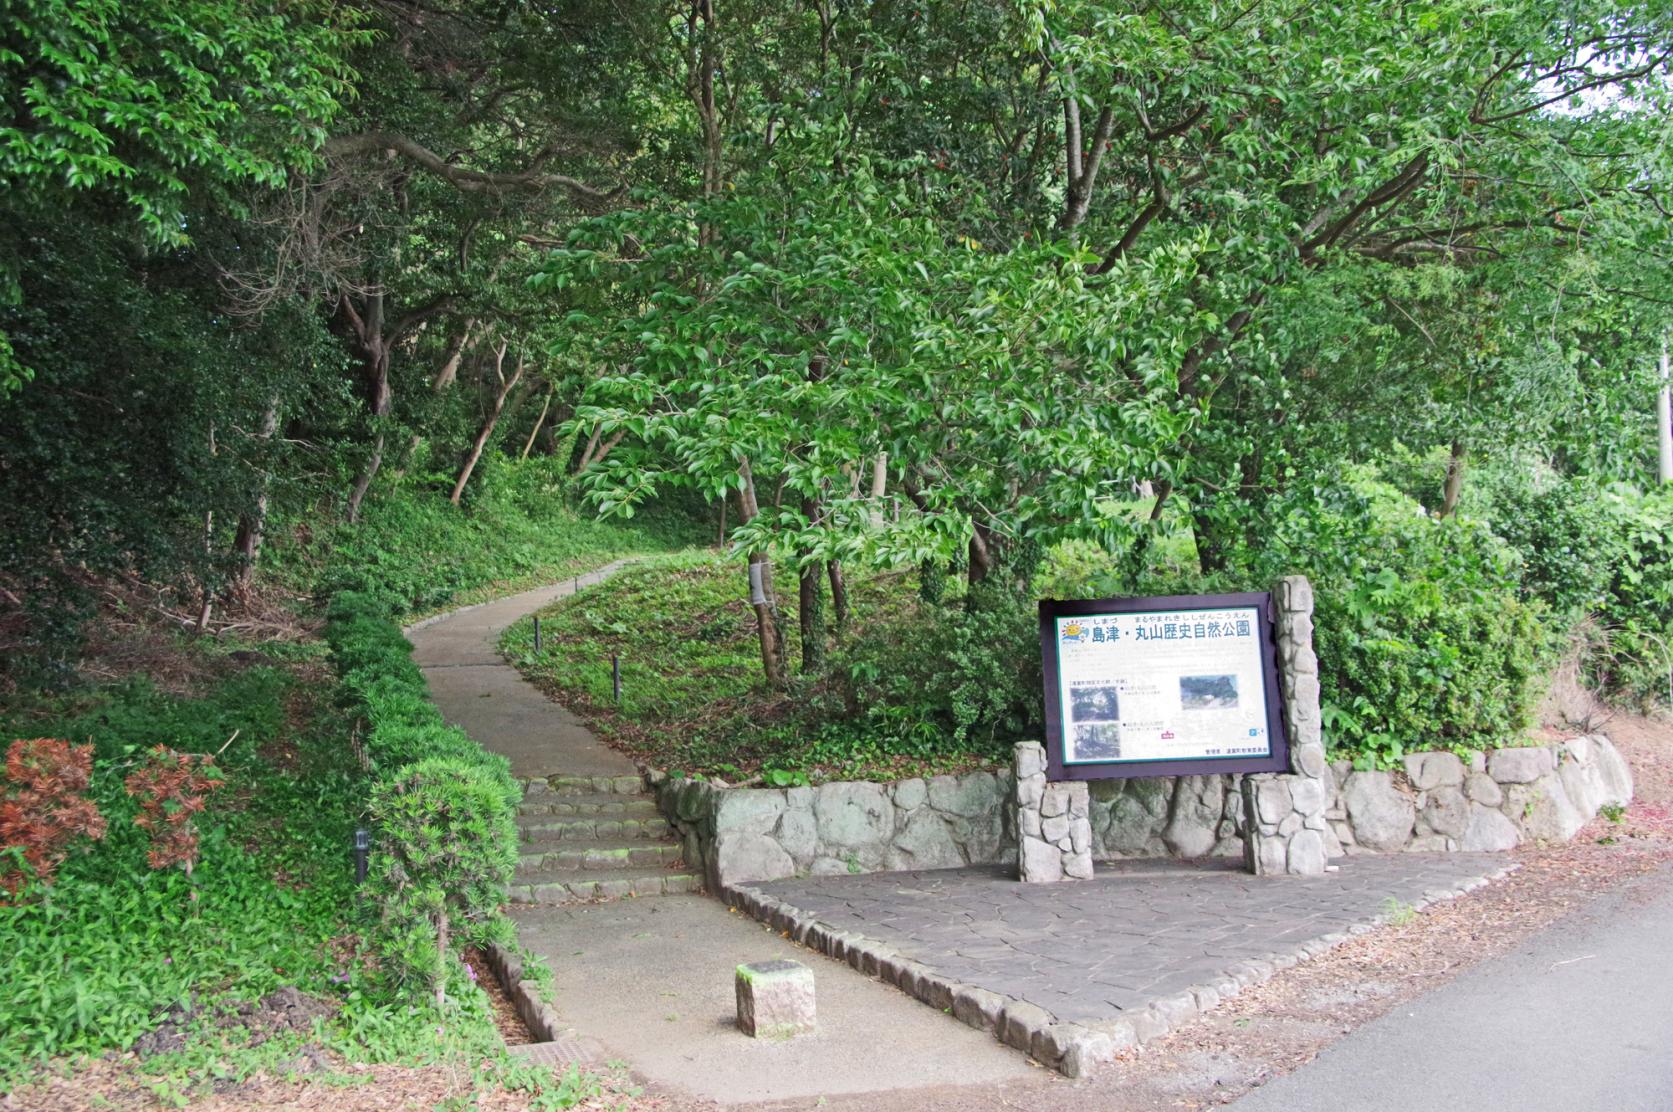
{"type": "Point", "coordinates": [693, 696]}
{"type": "Point", "coordinates": [114, 947]}
{"type": "Point", "coordinates": [521, 532]}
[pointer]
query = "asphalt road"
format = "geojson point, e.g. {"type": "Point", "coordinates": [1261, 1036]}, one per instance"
{"type": "Point", "coordinates": [1577, 1019]}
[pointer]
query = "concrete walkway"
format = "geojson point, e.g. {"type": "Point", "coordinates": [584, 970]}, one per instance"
{"type": "Point", "coordinates": [651, 980]}
{"type": "Point", "coordinates": [476, 690]}
{"type": "Point", "coordinates": [1577, 1019]}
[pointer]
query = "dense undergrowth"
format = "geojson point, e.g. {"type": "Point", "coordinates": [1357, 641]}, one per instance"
{"type": "Point", "coordinates": [1432, 633]}
{"type": "Point", "coordinates": [314, 740]}
{"type": "Point", "coordinates": [517, 529]}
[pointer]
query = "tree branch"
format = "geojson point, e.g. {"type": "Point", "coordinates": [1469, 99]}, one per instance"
{"type": "Point", "coordinates": [469, 181]}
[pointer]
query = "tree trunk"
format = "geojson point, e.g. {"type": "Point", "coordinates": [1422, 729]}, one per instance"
{"type": "Point", "coordinates": [381, 399]}
{"type": "Point", "coordinates": [879, 483]}
{"type": "Point", "coordinates": [811, 605]}
{"type": "Point", "coordinates": [528, 445]}
{"type": "Point", "coordinates": [449, 370]}
{"type": "Point", "coordinates": [981, 559]}
{"type": "Point", "coordinates": [441, 961]}
{"type": "Point", "coordinates": [587, 453]}
{"type": "Point", "coordinates": [252, 523]}
{"type": "Point", "coordinates": [839, 595]}
{"type": "Point", "coordinates": [489, 422]}
{"type": "Point", "coordinates": [1138, 556]}
{"type": "Point", "coordinates": [604, 448]}
{"type": "Point", "coordinates": [1664, 418]}
{"type": "Point", "coordinates": [761, 591]}
{"type": "Point", "coordinates": [1211, 542]}
{"type": "Point", "coordinates": [364, 482]}
{"type": "Point", "coordinates": [1454, 479]}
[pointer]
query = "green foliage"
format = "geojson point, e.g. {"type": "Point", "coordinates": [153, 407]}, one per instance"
{"type": "Point", "coordinates": [447, 845]}
{"type": "Point", "coordinates": [959, 677]}
{"type": "Point", "coordinates": [444, 808]}
{"type": "Point", "coordinates": [1422, 637]}
{"type": "Point", "coordinates": [425, 554]}
{"type": "Point", "coordinates": [1637, 617]}
{"type": "Point", "coordinates": [155, 107]}
{"type": "Point", "coordinates": [94, 967]}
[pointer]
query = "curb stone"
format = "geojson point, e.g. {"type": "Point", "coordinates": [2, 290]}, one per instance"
{"type": "Point", "coordinates": [1074, 1049]}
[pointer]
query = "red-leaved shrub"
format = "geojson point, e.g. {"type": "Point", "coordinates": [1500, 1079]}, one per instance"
{"type": "Point", "coordinates": [170, 790]}
{"type": "Point", "coordinates": [44, 808]}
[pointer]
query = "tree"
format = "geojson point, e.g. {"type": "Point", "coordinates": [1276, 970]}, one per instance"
{"type": "Point", "coordinates": [157, 111]}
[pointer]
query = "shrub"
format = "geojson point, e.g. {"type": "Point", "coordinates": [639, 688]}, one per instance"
{"type": "Point", "coordinates": [170, 789]}
{"type": "Point", "coordinates": [45, 809]}
{"type": "Point", "coordinates": [446, 850]}
{"type": "Point", "coordinates": [1637, 614]}
{"type": "Point", "coordinates": [443, 807]}
{"type": "Point", "coordinates": [966, 680]}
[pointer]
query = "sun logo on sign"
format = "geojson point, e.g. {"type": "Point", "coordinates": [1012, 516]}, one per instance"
{"type": "Point", "coordinates": [1074, 631]}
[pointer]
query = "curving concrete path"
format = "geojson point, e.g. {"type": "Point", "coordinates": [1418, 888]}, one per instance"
{"type": "Point", "coordinates": [651, 980]}
{"type": "Point", "coordinates": [476, 689]}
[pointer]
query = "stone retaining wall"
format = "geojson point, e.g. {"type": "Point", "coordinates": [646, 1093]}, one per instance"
{"type": "Point", "coordinates": [740, 835]}
{"type": "Point", "coordinates": [1491, 801]}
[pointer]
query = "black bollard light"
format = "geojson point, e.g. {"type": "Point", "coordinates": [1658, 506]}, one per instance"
{"type": "Point", "coordinates": [362, 847]}
{"type": "Point", "coordinates": [616, 677]}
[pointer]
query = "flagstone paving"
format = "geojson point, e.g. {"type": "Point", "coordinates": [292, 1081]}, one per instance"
{"type": "Point", "coordinates": [1139, 932]}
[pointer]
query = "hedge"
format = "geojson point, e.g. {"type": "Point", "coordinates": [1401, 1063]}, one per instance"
{"type": "Point", "coordinates": [443, 808]}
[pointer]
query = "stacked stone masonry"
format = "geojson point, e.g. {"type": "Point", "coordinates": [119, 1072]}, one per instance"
{"type": "Point", "coordinates": [1054, 827]}
{"type": "Point", "coordinates": [1485, 802]}
{"type": "Point", "coordinates": [1436, 802]}
{"type": "Point", "coordinates": [739, 835]}
{"type": "Point", "coordinates": [1284, 813]}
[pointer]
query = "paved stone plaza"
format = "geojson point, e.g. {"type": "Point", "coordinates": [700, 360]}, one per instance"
{"type": "Point", "coordinates": [1130, 953]}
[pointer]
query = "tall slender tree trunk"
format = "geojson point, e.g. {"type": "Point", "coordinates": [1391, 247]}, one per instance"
{"type": "Point", "coordinates": [1454, 485]}
{"type": "Point", "coordinates": [981, 559]}
{"type": "Point", "coordinates": [839, 595]}
{"type": "Point", "coordinates": [528, 445]}
{"type": "Point", "coordinates": [1210, 540]}
{"type": "Point", "coordinates": [761, 590]}
{"type": "Point", "coordinates": [879, 484]}
{"type": "Point", "coordinates": [376, 352]}
{"type": "Point", "coordinates": [363, 482]}
{"type": "Point", "coordinates": [1664, 417]}
{"type": "Point", "coordinates": [488, 423]}
{"type": "Point", "coordinates": [252, 523]}
{"type": "Point", "coordinates": [811, 605]}
{"type": "Point", "coordinates": [587, 452]}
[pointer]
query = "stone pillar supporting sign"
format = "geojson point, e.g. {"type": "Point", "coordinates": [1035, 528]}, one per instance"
{"type": "Point", "coordinates": [1284, 812]}
{"type": "Point", "coordinates": [1054, 825]}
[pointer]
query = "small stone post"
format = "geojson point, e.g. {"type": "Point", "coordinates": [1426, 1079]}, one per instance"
{"type": "Point", "coordinates": [775, 999]}
{"type": "Point", "coordinates": [1284, 812]}
{"type": "Point", "coordinates": [1054, 824]}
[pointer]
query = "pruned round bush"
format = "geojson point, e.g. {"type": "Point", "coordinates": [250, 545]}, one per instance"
{"type": "Point", "coordinates": [446, 848]}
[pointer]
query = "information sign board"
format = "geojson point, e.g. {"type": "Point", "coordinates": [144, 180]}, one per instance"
{"type": "Point", "coordinates": [1173, 686]}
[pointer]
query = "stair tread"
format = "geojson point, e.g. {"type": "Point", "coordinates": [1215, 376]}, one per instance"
{"type": "Point", "coordinates": [585, 845]}
{"type": "Point", "coordinates": [589, 798]}
{"type": "Point", "coordinates": [581, 834]}
{"type": "Point", "coordinates": [559, 876]}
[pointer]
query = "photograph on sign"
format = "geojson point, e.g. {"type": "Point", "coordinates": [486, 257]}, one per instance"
{"type": "Point", "coordinates": [1158, 682]}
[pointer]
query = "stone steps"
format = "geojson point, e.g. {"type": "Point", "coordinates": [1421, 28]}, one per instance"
{"type": "Point", "coordinates": [588, 804]}
{"type": "Point", "coordinates": [598, 854]}
{"type": "Point", "coordinates": [594, 837]}
{"type": "Point", "coordinates": [552, 888]}
{"type": "Point", "coordinates": [551, 831]}
{"type": "Point", "coordinates": [541, 790]}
